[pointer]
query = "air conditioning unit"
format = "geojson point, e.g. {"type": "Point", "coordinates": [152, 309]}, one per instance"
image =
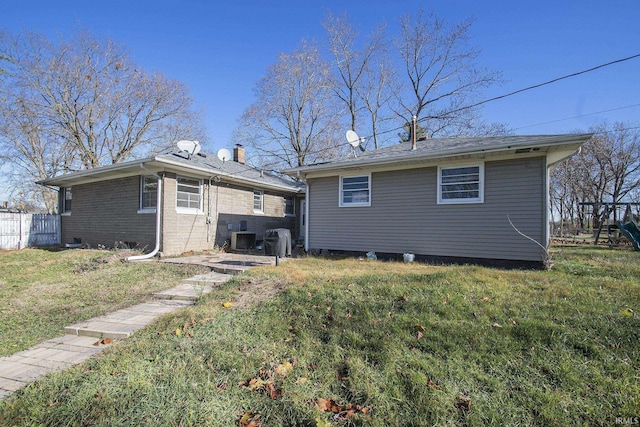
{"type": "Point", "coordinates": [243, 240]}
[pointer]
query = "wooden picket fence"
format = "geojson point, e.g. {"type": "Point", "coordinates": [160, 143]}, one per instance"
{"type": "Point", "coordinates": [21, 230]}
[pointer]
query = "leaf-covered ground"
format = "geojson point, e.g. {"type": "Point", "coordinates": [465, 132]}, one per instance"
{"type": "Point", "coordinates": [348, 342]}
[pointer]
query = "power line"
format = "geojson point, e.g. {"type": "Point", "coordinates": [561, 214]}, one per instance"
{"type": "Point", "coordinates": [548, 82]}
{"type": "Point", "coordinates": [597, 67]}
{"type": "Point", "coordinates": [577, 117]}
{"type": "Point", "coordinates": [520, 91]}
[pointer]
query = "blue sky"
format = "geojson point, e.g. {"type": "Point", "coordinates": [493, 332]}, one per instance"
{"type": "Point", "coordinates": [221, 49]}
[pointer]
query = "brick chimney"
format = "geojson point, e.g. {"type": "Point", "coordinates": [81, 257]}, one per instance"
{"type": "Point", "coordinates": [238, 154]}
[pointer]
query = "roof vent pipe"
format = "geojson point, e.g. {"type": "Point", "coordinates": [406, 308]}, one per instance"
{"type": "Point", "coordinates": [413, 133]}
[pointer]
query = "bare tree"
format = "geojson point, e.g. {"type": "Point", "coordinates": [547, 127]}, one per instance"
{"type": "Point", "coordinates": [82, 103]}
{"type": "Point", "coordinates": [294, 120]}
{"type": "Point", "coordinates": [443, 77]}
{"type": "Point", "coordinates": [607, 170]}
{"type": "Point", "coordinates": [362, 71]}
{"type": "Point", "coordinates": [377, 94]}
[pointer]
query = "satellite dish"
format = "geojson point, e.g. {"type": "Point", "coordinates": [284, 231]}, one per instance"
{"type": "Point", "coordinates": [352, 138]}
{"type": "Point", "coordinates": [224, 155]}
{"type": "Point", "coordinates": [190, 147]}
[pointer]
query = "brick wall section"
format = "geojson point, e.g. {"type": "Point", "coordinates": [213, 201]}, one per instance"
{"type": "Point", "coordinates": [106, 213]}
{"type": "Point", "coordinates": [183, 232]}
{"type": "Point", "coordinates": [226, 205]}
{"type": "Point", "coordinates": [236, 204]}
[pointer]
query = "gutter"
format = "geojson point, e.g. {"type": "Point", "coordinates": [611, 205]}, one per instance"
{"type": "Point", "coordinates": [230, 177]}
{"type": "Point", "coordinates": [158, 220]}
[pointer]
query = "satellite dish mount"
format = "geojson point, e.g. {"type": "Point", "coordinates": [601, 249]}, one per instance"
{"type": "Point", "coordinates": [354, 141]}
{"type": "Point", "coordinates": [190, 147]}
{"type": "Point", "coordinates": [224, 155]}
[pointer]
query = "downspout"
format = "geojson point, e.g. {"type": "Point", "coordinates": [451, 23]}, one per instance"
{"type": "Point", "coordinates": [158, 220]}
{"type": "Point", "coordinates": [306, 218]}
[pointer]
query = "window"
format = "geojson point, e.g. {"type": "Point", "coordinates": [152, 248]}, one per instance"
{"type": "Point", "coordinates": [189, 195]}
{"type": "Point", "coordinates": [66, 200]}
{"type": "Point", "coordinates": [355, 190]}
{"type": "Point", "coordinates": [148, 193]}
{"type": "Point", "coordinates": [289, 206]}
{"type": "Point", "coordinates": [463, 184]}
{"type": "Point", "coordinates": [258, 201]}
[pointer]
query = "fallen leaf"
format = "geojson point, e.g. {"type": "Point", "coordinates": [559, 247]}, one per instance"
{"type": "Point", "coordinates": [178, 332]}
{"type": "Point", "coordinates": [420, 335]}
{"type": "Point", "coordinates": [420, 328]}
{"type": "Point", "coordinates": [496, 326]}
{"type": "Point", "coordinates": [301, 380]}
{"type": "Point", "coordinates": [255, 384]}
{"type": "Point", "coordinates": [342, 412]}
{"type": "Point", "coordinates": [434, 385]}
{"type": "Point", "coordinates": [249, 419]}
{"type": "Point", "coordinates": [273, 391]}
{"type": "Point", "coordinates": [264, 373]}
{"type": "Point", "coordinates": [485, 299]}
{"type": "Point", "coordinates": [323, 404]}
{"type": "Point", "coordinates": [322, 423]}
{"type": "Point", "coordinates": [627, 312]}
{"type": "Point", "coordinates": [227, 304]}
{"type": "Point", "coordinates": [463, 403]}
{"type": "Point", "coordinates": [284, 368]}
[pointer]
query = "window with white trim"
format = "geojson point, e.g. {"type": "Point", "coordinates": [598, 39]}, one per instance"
{"type": "Point", "coordinates": [189, 194]}
{"type": "Point", "coordinates": [461, 184]}
{"type": "Point", "coordinates": [355, 190]}
{"type": "Point", "coordinates": [148, 193]}
{"type": "Point", "coordinates": [258, 201]}
{"type": "Point", "coordinates": [66, 200]}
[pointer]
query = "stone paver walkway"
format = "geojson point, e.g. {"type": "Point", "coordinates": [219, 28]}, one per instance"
{"type": "Point", "coordinates": [86, 339]}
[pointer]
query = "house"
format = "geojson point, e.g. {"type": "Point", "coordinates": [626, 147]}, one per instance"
{"type": "Point", "coordinates": [451, 199]}
{"type": "Point", "coordinates": [174, 203]}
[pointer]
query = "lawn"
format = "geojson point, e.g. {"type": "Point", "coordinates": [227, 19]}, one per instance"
{"type": "Point", "coordinates": [43, 291]}
{"type": "Point", "coordinates": [346, 342]}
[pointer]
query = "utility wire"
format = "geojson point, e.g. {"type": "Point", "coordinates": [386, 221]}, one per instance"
{"type": "Point", "coordinates": [577, 117]}
{"type": "Point", "coordinates": [617, 61]}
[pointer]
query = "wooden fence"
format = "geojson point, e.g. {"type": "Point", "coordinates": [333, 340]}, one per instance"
{"type": "Point", "coordinates": [20, 230]}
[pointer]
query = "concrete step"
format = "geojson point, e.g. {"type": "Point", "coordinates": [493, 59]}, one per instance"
{"type": "Point", "coordinates": [229, 269]}
{"type": "Point", "coordinates": [193, 288]}
{"type": "Point", "coordinates": [184, 292]}
{"type": "Point", "coordinates": [208, 279]}
{"type": "Point", "coordinates": [122, 323]}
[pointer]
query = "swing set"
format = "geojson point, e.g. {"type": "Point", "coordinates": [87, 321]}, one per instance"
{"type": "Point", "coordinates": [609, 218]}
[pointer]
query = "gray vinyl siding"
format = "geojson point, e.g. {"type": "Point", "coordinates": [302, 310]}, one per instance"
{"type": "Point", "coordinates": [404, 215]}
